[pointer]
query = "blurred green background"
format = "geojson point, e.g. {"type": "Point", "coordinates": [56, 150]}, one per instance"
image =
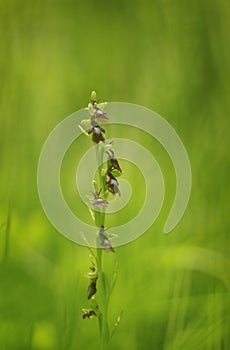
{"type": "Point", "coordinates": [172, 57]}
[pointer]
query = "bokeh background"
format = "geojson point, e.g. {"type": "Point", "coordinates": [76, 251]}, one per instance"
{"type": "Point", "coordinates": [172, 57]}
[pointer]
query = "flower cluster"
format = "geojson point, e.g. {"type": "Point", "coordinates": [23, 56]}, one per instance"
{"type": "Point", "coordinates": [110, 179]}
{"type": "Point", "coordinates": [96, 113]}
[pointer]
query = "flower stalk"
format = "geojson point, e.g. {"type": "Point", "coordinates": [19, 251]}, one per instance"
{"type": "Point", "coordinates": [99, 290]}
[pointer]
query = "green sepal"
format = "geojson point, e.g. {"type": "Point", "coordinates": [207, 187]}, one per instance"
{"type": "Point", "coordinates": [102, 105]}
{"type": "Point", "coordinates": [83, 131]}
{"type": "Point", "coordinates": [95, 186]}
{"type": "Point", "coordinates": [103, 171]}
{"type": "Point", "coordinates": [86, 123]}
{"type": "Point", "coordinates": [90, 108]}
{"type": "Point", "coordinates": [115, 173]}
{"type": "Point", "coordinates": [91, 275]}
{"type": "Point", "coordinates": [106, 147]}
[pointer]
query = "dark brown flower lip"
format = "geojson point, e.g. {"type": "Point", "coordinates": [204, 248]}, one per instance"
{"type": "Point", "coordinates": [89, 314]}
{"type": "Point", "coordinates": [92, 289]}
{"type": "Point", "coordinates": [113, 160]}
{"type": "Point", "coordinates": [112, 183]}
{"type": "Point", "coordinates": [96, 130]}
{"type": "Point", "coordinates": [109, 176]}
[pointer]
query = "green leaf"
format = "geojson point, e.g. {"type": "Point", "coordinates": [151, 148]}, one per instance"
{"type": "Point", "coordinates": [116, 324]}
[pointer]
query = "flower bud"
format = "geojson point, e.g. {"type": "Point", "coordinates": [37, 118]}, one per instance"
{"type": "Point", "coordinates": [93, 95]}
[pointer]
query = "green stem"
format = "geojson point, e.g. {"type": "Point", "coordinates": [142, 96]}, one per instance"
{"type": "Point", "coordinates": [102, 319]}
{"type": "Point", "coordinates": [103, 322]}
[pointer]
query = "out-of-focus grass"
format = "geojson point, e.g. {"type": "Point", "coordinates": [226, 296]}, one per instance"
{"type": "Point", "coordinates": [170, 57]}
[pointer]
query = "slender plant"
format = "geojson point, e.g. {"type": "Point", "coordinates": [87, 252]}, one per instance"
{"type": "Point", "coordinates": [100, 285]}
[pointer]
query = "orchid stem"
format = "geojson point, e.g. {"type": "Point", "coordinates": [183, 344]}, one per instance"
{"type": "Point", "coordinates": [102, 319]}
